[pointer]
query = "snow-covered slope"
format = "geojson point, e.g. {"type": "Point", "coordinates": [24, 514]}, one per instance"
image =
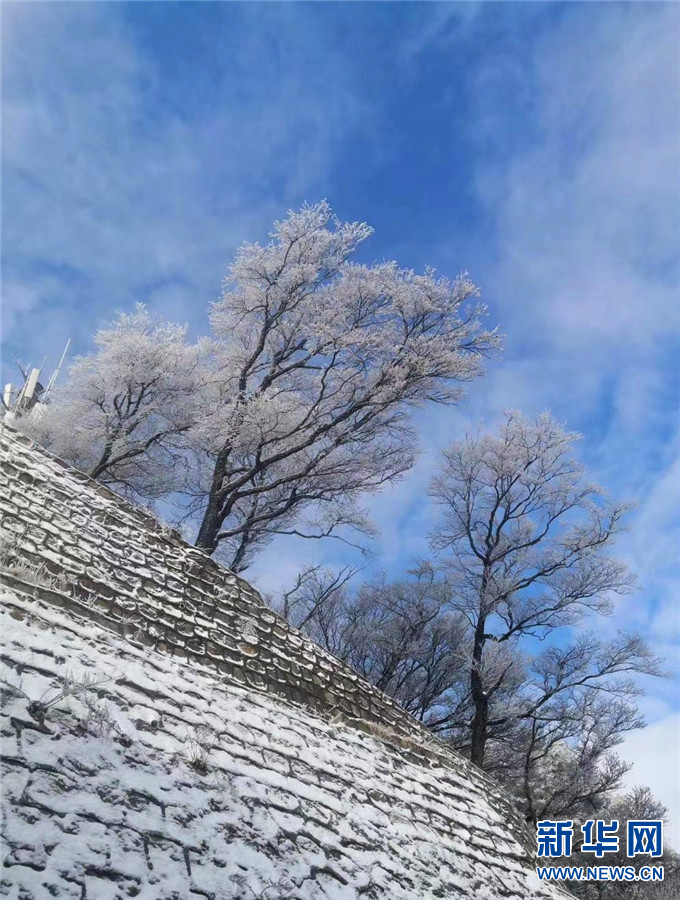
{"type": "Point", "coordinates": [206, 748]}
{"type": "Point", "coordinates": [288, 805]}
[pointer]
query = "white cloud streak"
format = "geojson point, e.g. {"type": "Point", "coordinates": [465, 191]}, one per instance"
{"type": "Point", "coordinates": [114, 192]}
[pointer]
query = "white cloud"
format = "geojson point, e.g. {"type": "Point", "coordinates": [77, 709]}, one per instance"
{"type": "Point", "coordinates": [112, 187]}
{"type": "Point", "coordinates": [655, 754]}
{"type": "Point", "coordinates": [587, 216]}
{"type": "Point", "coordinates": [17, 298]}
{"type": "Point", "coordinates": [578, 144]}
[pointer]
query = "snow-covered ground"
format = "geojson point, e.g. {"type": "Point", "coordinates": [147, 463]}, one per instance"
{"type": "Point", "coordinates": [104, 802]}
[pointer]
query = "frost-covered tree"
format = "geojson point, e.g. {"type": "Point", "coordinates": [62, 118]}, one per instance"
{"type": "Point", "coordinates": [317, 361]}
{"type": "Point", "coordinates": [481, 644]}
{"type": "Point", "coordinates": [555, 719]}
{"type": "Point", "coordinates": [637, 804]}
{"type": "Point", "coordinates": [526, 540]}
{"type": "Point", "coordinates": [297, 405]}
{"type": "Point", "coordinates": [396, 634]}
{"type": "Point", "coordinates": [123, 407]}
{"type": "Point", "coordinates": [554, 747]}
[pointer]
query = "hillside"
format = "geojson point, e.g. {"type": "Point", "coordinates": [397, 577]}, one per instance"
{"type": "Point", "coordinates": [205, 748]}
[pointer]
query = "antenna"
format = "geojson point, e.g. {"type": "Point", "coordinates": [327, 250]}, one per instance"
{"type": "Point", "coordinates": [31, 393]}
{"type": "Point", "coordinates": [55, 374]}
{"type": "Point", "coordinates": [24, 387]}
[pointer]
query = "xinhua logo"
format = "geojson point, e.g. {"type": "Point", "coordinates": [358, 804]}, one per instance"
{"type": "Point", "coordinates": [554, 838]}
{"type": "Point", "coordinates": [643, 837]}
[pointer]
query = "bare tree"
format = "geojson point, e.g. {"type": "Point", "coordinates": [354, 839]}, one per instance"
{"type": "Point", "coordinates": [396, 634]}
{"type": "Point", "coordinates": [560, 764]}
{"type": "Point", "coordinates": [555, 718]}
{"type": "Point", "coordinates": [296, 407]}
{"type": "Point", "coordinates": [315, 598]}
{"type": "Point", "coordinates": [526, 539]}
{"type": "Point", "coordinates": [317, 362]}
{"type": "Point", "coordinates": [119, 416]}
{"type": "Point", "coordinates": [479, 646]}
{"type": "Point", "coordinates": [638, 803]}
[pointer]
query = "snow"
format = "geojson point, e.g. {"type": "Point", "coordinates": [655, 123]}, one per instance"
{"type": "Point", "coordinates": [291, 805]}
{"type": "Point", "coordinates": [294, 801]}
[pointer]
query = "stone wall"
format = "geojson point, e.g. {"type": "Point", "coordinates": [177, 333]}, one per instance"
{"type": "Point", "coordinates": [105, 800]}
{"type": "Point", "coordinates": [114, 564]}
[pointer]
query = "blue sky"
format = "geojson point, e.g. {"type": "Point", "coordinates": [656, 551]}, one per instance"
{"type": "Point", "coordinates": [536, 145]}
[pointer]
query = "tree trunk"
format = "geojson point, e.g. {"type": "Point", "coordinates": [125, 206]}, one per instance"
{"type": "Point", "coordinates": [207, 539]}
{"type": "Point", "coordinates": [479, 698]}
{"type": "Point", "coordinates": [210, 526]}
{"type": "Point", "coordinates": [104, 459]}
{"type": "Point", "coordinates": [480, 719]}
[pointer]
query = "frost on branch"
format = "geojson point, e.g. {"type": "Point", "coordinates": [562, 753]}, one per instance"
{"type": "Point", "coordinates": [121, 413]}
{"type": "Point", "coordinates": [39, 707]}
{"type": "Point", "coordinates": [299, 403]}
{"type": "Point", "coordinates": [526, 539]}
{"type": "Point", "coordinates": [318, 361]}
